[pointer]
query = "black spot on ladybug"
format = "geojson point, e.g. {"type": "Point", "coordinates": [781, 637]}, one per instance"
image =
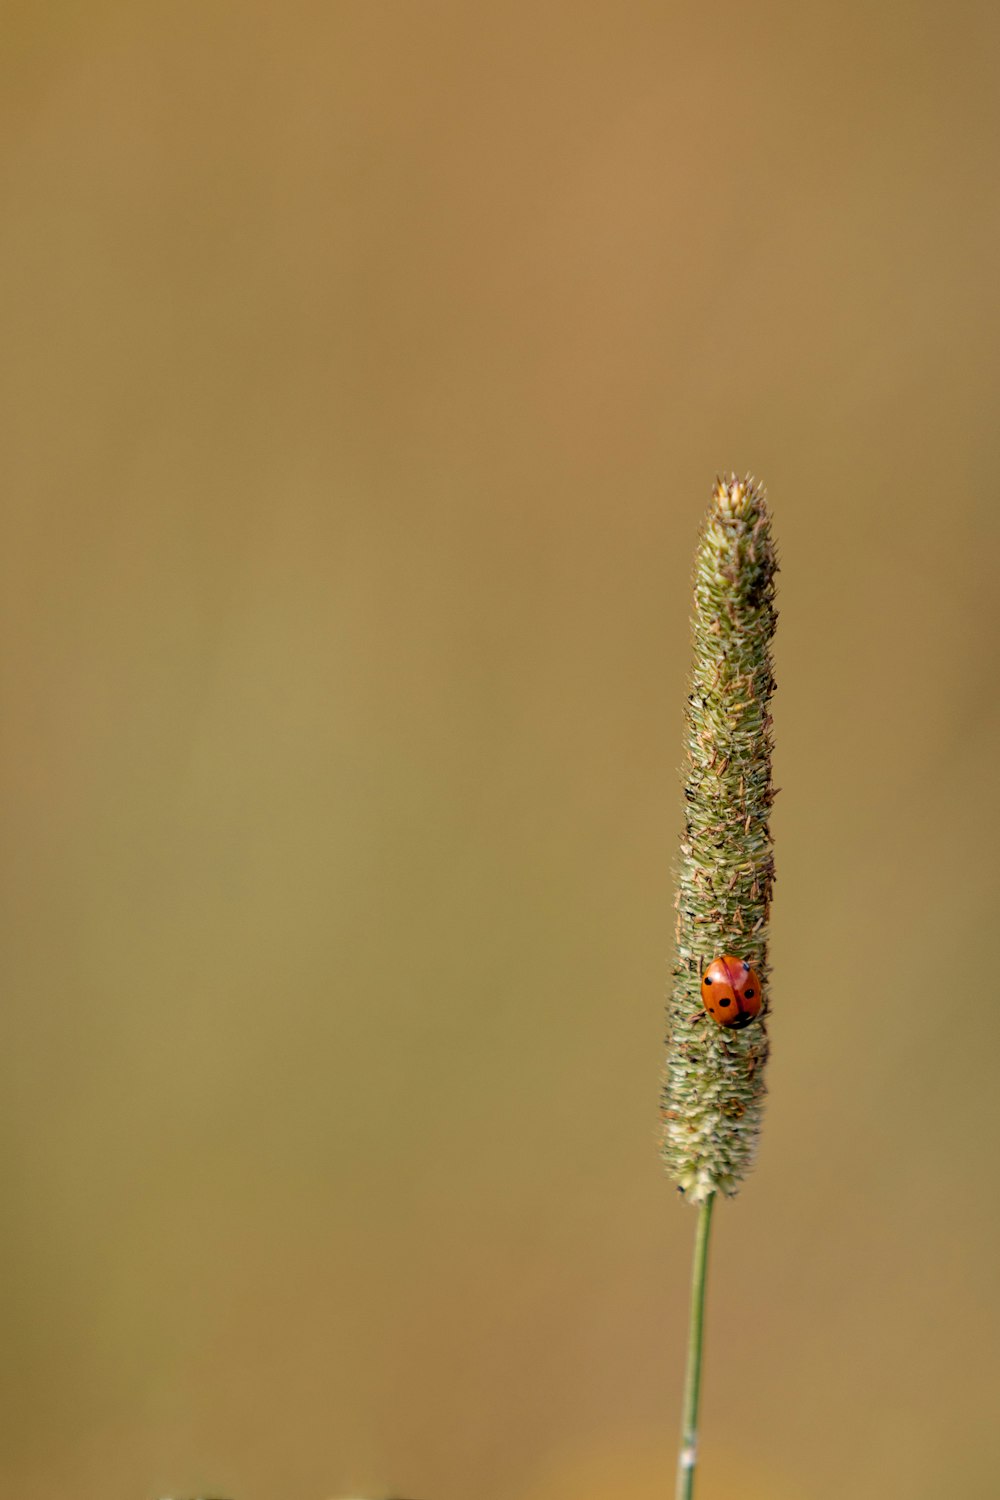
{"type": "Point", "coordinates": [708, 979]}
{"type": "Point", "coordinates": [724, 1003]}
{"type": "Point", "coordinates": [749, 994]}
{"type": "Point", "coordinates": [747, 967]}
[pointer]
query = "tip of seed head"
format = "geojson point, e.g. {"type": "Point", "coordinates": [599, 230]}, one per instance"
{"type": "Point", "coordinates": [734, 497]}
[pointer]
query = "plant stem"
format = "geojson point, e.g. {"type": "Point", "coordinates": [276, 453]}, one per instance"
{"type": "Point", "coordinates": [692, 1379]}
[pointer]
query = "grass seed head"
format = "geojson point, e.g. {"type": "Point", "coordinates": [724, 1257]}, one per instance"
{"type": "Point", "coordinates": [713, 1088]}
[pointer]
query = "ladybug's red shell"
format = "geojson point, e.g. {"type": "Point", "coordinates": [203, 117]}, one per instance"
{"type": "Point", "coordinates": [730, 991]}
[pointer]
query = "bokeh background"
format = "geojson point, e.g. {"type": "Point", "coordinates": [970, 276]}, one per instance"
{"type": "Point", "coordinates": [366, 370]}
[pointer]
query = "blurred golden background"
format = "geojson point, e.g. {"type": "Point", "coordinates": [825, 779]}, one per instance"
{"type": "Point", "coordinates": [366, 371]}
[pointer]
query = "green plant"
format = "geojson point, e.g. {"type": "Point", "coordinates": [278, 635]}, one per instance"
{"type": "Point", "coordinates": [713, 1088]}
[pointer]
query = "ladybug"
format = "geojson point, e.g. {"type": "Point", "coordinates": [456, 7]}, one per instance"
{"type": "Point", "coordinates": [730, 991]}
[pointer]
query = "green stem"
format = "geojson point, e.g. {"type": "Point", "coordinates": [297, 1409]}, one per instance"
{"type": "Point", "coordinates": [692, 1379]}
